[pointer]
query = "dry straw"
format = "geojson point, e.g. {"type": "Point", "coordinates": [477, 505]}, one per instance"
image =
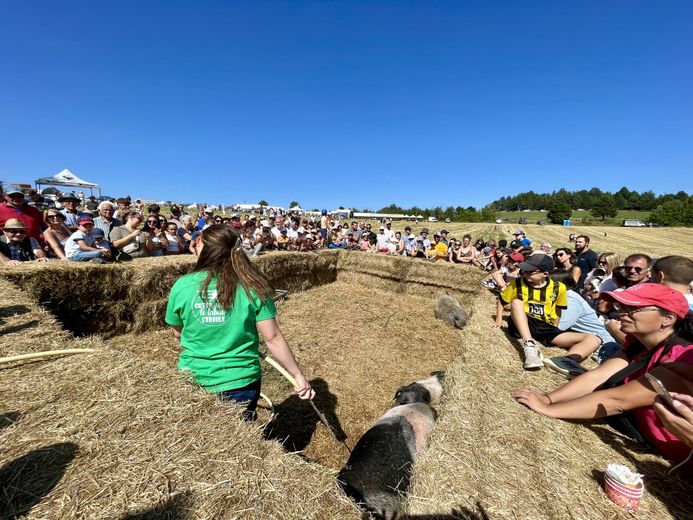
{"type": "Point", "coordinates": [119, 432]}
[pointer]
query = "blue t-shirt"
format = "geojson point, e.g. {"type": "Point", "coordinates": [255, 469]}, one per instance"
{"type": "Point", "coordinates": [580, 317]}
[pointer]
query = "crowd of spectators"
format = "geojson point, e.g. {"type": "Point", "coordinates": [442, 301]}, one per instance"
{"type": "Point", "coordinates": [634, 318]}
{"type": "Point", "coordinates": [78, 229]}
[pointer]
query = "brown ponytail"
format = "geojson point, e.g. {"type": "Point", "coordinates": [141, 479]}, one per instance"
{"type": "Point", "coordinates": [222, 256]}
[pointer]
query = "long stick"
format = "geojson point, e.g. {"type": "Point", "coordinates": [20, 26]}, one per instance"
{"type": "Point", "coordinates": [291, 380]}
{"type": "Point", "coordinates": [47, 353]}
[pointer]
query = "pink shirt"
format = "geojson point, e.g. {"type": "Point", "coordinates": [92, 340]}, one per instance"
{"type": "Point", "coordinates": [645, 417]}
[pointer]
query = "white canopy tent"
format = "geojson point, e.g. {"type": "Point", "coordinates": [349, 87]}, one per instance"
{"type": "Point", "coordinates": [67, 178]}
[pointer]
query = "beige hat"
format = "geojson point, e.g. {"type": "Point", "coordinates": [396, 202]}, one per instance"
{"type": "Point", "coordinates": [14, 223]}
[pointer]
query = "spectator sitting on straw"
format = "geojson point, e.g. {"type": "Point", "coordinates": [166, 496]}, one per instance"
{"type": "Point", "coordinates": [439, 250]}
{"type": "Point", "coordinates": [508, 271]}
{"type": "Point", "coordinates": [129, 240]}
{"type": "Point", "coordinates": [659, 330]}
{"type": "Point", "coordinates": [57, 233]}
{"type": "Point", "coordinates": [15, 207]}
{"type": "Point", "coordinates": [80, 246]}
{"type": "Point", "coordinates": [676, 272]}
{"type": "Point", "coordinates": [16, 246]}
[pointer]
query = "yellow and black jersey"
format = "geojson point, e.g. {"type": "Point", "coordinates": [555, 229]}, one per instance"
{"type": "Point", "coordinates": [540, 302]}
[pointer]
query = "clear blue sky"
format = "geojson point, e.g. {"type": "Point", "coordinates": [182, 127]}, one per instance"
{"type": "Point", "coordinates": [348, 103]}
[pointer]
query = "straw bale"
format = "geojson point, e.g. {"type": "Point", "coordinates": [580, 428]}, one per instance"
{"type": "Point", "coordinates": [94, 298]}
{"type": "Point", "coordinates": [298, 271]}
{"type": "Point", "coordinates": [488, 449]}
{"type": "Point", "coordinates": [409, 276]}
{"type": "Point", "coordinates": [26, 327]}
{"type": "Point", "coordinates": [108, 434]}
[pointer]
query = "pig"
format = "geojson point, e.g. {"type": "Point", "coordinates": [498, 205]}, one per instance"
{"type": "Point", "coordinates": [428, 390]}
{"type": "Point", "coordinates": [448, 309]}
{"type": "Point", "coordinates": [378, 472]}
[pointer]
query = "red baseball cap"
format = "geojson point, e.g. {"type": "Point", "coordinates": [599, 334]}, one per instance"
{"type": "Point", "coordinates": [517, 257]}
{"type": "Point", "coordinates": [85, 220]}
{"type": "Point", "coordinates": [644, 294]}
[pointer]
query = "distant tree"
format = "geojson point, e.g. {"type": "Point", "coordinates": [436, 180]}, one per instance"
{"type": "Point", "coordinates": [648, 201]}
{"type": "Point", "coordinates": [488, 213]}
{"type": "Point", "coordinates": [392, 208]}
{"type": "Point", "coordinates": [293, 204]}
{"type": "Point", "coordinates": [342, 207]}
{"type": "Point", "coordinates": [558, 212]}
{"type": "Point", "coordinates": [604, 206]}
{"type": "Point", "coordinates": [674, 213]}
{"type": "Point", "coordinates": [263, 203]}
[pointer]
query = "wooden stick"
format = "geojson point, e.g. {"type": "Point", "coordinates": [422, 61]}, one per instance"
{"type": "Point", "coordinates": [47, 353]}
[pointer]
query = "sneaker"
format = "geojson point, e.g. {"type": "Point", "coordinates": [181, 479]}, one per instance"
{"type": "Point", "coordinates": [489, 284]}
{"type": "Point", "coordinates": [564, 365]}
{"type": "Point", "coordinates": [533, 358]}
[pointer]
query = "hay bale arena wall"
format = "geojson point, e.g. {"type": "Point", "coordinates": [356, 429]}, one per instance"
{"type": "Point", "coordinates": [121, 434]}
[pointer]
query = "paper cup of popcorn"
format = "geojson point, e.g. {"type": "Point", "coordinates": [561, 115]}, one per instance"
{"type": "Point", "coordinates": [623, 487]}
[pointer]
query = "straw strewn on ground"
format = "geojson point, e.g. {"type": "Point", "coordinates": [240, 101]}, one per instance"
{"type": "Point", "coordinates": [486, 448]}
{"type": "Point", "coordinates": [128, 433]}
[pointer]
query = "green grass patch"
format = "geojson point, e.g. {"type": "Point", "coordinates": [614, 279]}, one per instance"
{"type": "Point", "coordinates": [584, 217]}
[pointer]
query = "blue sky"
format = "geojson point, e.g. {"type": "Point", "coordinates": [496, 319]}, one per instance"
{"type": "Point", "coordinates": [348, 103]}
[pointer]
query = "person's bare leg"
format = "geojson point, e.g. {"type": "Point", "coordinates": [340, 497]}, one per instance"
{"type": "Point", "coordinates": [517, 314]}
{"type": "Point", "coordinates": [579, 345]}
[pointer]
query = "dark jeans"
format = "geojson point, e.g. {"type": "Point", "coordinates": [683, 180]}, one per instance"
{"type": "Point", "coordinates": [247, 395]}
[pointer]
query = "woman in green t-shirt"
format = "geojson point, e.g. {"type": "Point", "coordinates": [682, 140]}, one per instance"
{"type": "Point", "coordinates": [217, 311]}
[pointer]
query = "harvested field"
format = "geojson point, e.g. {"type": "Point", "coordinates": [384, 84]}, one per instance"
{"type": "Point", "coordinates": [119, 433]}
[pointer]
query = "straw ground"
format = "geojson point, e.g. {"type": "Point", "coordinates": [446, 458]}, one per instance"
{"type": "Point", "coordinates": [119, 432]}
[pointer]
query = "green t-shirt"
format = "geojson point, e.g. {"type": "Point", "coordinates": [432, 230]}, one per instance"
{"type": "Point", "coordinates": [220, 347]}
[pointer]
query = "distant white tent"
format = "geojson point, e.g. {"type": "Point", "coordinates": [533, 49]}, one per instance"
{"type": "Point", "coordinates": [67, 178]}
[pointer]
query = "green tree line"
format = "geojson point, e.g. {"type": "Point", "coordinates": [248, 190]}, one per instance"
{"type": "Point", "coordinates": [623, 199]}
{"type": "Point", "coordinates": [668, 210]}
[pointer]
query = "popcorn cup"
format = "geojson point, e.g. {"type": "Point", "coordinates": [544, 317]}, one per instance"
{"type": "Point", "coordinates": [625, 495]}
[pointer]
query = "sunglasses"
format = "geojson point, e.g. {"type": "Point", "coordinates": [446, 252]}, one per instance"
{"type": "Point", "coordinates": [152, 222]}
{"type": "Point", "coordinates": [636, 269]}
{"type": "Point", "coordinates": [624, 310]}
{"type": "Point", "coordinates": [16, 231]}
{"type": "Point", "coordinates": [602, 262]}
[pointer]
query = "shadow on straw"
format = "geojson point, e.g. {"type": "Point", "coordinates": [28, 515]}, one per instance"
{"type": "Point", "coordinates": [26, 480]}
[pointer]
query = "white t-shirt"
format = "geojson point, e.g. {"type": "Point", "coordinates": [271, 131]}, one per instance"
{"type": "Point", "coordinates": [383, 240]}
{"type": "Point", "coordinates": [71, 245]}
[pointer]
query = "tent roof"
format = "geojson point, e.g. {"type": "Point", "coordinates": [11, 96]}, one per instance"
{"type": "Point", "coordinates": [66, 178]}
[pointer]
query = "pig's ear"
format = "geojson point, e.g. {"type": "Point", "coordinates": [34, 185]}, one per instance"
{"type": "Point", "coordinates": [397, 393]}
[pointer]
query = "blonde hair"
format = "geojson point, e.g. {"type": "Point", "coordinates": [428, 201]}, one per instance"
{"type": "Point", "coordinates": [613, 260]}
